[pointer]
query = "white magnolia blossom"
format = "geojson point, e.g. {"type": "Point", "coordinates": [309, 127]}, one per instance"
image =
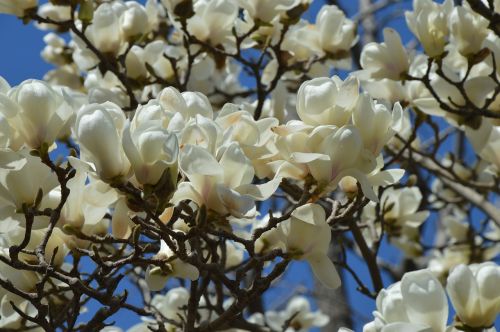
{"type": "Point", "coordinates": [54, 51]}
{"type": "Point", "coordinates": [267, 11]}
{"type": "Point", "coordinates": [401, 216]}
{"type": "Point", "coordinates": [299, 316]}
{"type": "Point", "coordinates": [22, 178]}
{"type": "Point", "coordinates": [222, 185]}
{"type": "Point", "coordinates": [35, 111]}
{"type": "Point", "coordinates": [306, 236]}
{"type": "Point", "coordinates": [325, 101]}
{"type": "Point", "coordinates": [88, 200]}
{"type": "Point", "coordinates": [54, 13]}
{"type": "Point", "coordinates": [417, 303]}
{"type": "Point", "coordinates": [337, 34]}
{"type": "Point", "coordinates": [151, 151]}
{"type": "Point", "coordinates": [474, 293]}
{"type": "Point", "coordinates": [429, 23]}
{"type": "Point", "coordinates": [172, 306]}
{"type": "Point", "coordinates": [134, 20]}
{"type": "Point", "coordinates": [99, 129]}
{"type": "Point", "coordinates": [386, 60]}
{"type": "Point", "coordinates": [468, 30]}
{"type": "Point", "coordinates": [172, 266]}
{"type": "Point", "coordinates": [376, 123]}
{"type": "Point", "coordinates": [213, 21]}
{"type": "Point", "coordinates": [104, 32]}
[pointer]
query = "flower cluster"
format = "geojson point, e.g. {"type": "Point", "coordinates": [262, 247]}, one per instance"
{"type": "Point", "coordinates": [147, 153]}
{"type": "Point", "coordinates": [419, 303]}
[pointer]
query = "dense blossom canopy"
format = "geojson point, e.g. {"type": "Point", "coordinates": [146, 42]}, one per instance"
{"type": "Point", "coordinates": [197, 148]}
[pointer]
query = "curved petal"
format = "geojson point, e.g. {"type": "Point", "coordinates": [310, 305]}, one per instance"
{"type": "Point", "coordinates": [425, 299]}
{"type": "Point", "coordinates": [324, 270]}
{"type": "Point", "coordinates": [155, 278]}
{"type": "Point", "coordinates": [195, 160]}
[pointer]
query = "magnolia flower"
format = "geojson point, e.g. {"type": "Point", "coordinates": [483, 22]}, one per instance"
{"type": "Point", "coordinates": [268, 240]}
{"type": "Point", "coordinates": [18, 7]}
{"type": "Point", "coordinates": [57, 241]}
{"type": "Point", "coordinates": [302, 41]}
{"type": "Point", "coordinates": [429, 23]}
{"type": "Point", "coordinates": [222, 185]}
{"type": "Point", "coordinates": [172, 306]}
{"type": "Point", "coordinates": [202, 132]}
{"type": "Point", "coordinates": [468, 30]}
{"type": "Point", "coordinates": [11, 319]}
{"type": "Point", "coordinates": [327, 153]}
{"type": "Point", "coordinates": [442, 262]}
{"type": "Point", "coordinates": [134, 20]}
{"type": "Point", "coordinates": [55, 51]}
{"type": "Point", "coordinates": [418, 303]}
{"type": "Point", "coordinates": [298, 315]}
{"type": "Point", "coordinates": [104, 32]}
{"type": "Point", "coordinates": [23, 177]}
{"type": "Point", "coordinates": [240, 126]}
{"type": "Point", "coordinates": [88, 201]}
{"type": "Point", "coordinates": [151, 151]}
{"type": "Point", "coordinates": [254, 137]}
{"type": "Point", "coordinates": [213, 21]}
{"type": "Point", "coordinates": [105, 88]}
{"type": "Point", "coordinates": [65, 76]}
{"type": "Point", "coordinates": [337, 34]}
{"type": "Point", "coordinates": [188, 103]}
{"type": "Point", "coordinates": [401, 217]}
{"type": "Point", "coordinates": [98, 129]}
{"type": "Point", "coordinates": [157, 276]}
{"type": "Point", "coordinates": [474, 293]}
{"type": "Point", "coordinates": [35, 110]}
{"type": "Point", "coordinates": [327, 101]}
{"type": "Point", "coordinates": [306, 236]}
{"type": "Point", "coordinates": [25, 281]}
{"type": "Point", "coordinates": [135, 63]}
{"type": "Point", "coordinates": [154, 56]}
{"type": "Point", "coordinates": [54, 13]}
{"type": "Point", "coordinates": [375, 123]}
{"type": "Point", "coordinates": [267, 11]}
{"type": "Point", "coordinates": [385, 60]}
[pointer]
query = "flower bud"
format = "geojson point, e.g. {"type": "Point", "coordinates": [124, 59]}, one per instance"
{"type": "Point", "coordinates": [475, 294]}
{"type": "Point", "coordinates": [105, 32]}
{"type": "Point", "coordinates": [134, 20]}
{"type": "Point", "coordinates": [98, 129]}
{"type": "Point", "coordinates": [35, 110]}
{"type": "Point", "coordinates": [468, 29]}
{"type": "Point", "coordinates": [151, 151]}
{"type": "Point", "coordinates": [325, 101]}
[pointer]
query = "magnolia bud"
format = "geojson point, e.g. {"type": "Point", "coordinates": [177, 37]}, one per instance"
{"type": "Point", "coordinates": [98, 129]}
{"type": "Point", "coordinates": [475, 294]}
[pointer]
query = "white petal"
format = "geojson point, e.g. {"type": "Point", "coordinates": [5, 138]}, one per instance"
{"type": "Point", "coordinates": [155, 278]}
{"type": "Point", "coordinates": [425, 299]}
{"type": "Point", "coordinates": [324, 270]}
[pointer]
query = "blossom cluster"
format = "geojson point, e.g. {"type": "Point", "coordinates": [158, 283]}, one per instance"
{"type": "Point", "coordinates": [169, 163]}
